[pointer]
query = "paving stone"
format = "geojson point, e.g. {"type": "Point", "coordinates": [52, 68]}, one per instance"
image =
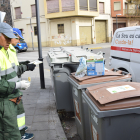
{"type": "Point", "coordinates": [45, 101]}
{"type": "Point", "coordinates": [51, 134]}
{"type": "Point", "coordinates": [41, 118]}
{"type": "Point", "coordinates": [42, 111]}
{"type": "Point", "coordinates": [28, 120]}
{"type": "Point", "coordinates": [40, 135]}
{"type": "Point", "coordinates": [41, 126]}
{"type": "Point", "coordinates": [30, 111]}
{"type": "Point", "coordinates": [43, 105]}
{"type": "Point", "coordinates": [30, 101]}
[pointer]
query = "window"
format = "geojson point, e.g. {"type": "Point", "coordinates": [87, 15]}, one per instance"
{"type": "Point", "coordinates": [35, 30]}
{"type": "Point", "coordinates": [93, 5]}
{"type": "Point", "coordinates": [60, 28]}
{"type": "Point", "coordinates": [126, 5]}
{"type": "Point", "coordinates": [101, 7]}
{"type": "Point", "coordinates": [18, 12]}
{"type": "Point", "coordinates": [33, 10]}
{"type": "Point", "coordinates": [117, 6]}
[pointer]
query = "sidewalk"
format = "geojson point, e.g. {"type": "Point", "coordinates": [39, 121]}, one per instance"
{"type": "Point", "coordinates": [40, 109]}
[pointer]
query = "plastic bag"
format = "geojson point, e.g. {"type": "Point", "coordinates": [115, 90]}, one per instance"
{"type": "Point", "coordinates": [81, 71]}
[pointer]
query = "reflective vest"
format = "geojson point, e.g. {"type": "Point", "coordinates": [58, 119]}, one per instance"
{"type": "Point", "coordinates": [15, 64]}
{"type": "Point", "coordinates": [13, 57]}
{"type": "Point", "coordinates": [8, 73]}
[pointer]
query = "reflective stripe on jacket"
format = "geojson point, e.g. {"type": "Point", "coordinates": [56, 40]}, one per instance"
{"type": "Point", "coordinates": [8, 76]}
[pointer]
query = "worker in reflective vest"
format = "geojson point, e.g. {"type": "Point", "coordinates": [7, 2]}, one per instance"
{"type": "Point", "coordinates": [10, 94]}
{"type": "Point", "coordinates": [20, 69]}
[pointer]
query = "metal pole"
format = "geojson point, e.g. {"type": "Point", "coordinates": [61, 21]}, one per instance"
{"type": "Point", "coordinates": [32, 34]}
{"type": "Point", "coordinates": [116, 22]}
{"type": "Point", "coordinates": [41, 68]}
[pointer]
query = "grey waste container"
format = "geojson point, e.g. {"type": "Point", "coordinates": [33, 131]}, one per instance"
{"type": "Point", "coordinates": [62, 62]}
{"type": "Point", "coordinates": [81, 108]}
{"type": "Point", "coordinates": [61, 86]}
{"type": "Point", "coordinates": [114, 115]}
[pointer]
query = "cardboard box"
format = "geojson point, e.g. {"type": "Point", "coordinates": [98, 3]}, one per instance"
{"type": "Point", "coordinates": [95, 67]}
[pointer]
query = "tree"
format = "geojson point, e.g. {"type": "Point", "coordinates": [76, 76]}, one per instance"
{"type": "Point", "coordinates": [133, 10]}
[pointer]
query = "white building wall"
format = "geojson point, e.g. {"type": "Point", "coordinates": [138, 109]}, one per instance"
{"type": "Point", "coordinates": [24, 22]}
{"type": "Point", "coordinates": [107, 17]}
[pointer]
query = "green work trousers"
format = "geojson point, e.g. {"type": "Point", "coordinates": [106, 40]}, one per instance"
{"type": "Point", "coordinates": [8, 120]}
{"type": "Point", "coordinates": [20, 110]}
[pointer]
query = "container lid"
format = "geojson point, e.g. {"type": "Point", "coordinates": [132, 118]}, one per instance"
{"type": "Point", "coordinates": [116, 95]}
{"type": "Point", "coordinates": [110, 75]}
{"type": "Point", "coordinates": [74, 54]}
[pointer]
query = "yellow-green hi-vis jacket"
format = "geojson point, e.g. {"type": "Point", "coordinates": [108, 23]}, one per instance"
{"type": "Point", "coordinates": [9, 73]}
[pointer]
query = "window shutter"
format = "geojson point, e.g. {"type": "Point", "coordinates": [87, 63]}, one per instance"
{"type": "Point", "coordinates": [101, 7]}
{"type": "Point", "coordinates": [33, 10]}
{"type": "Point", "coordinates": [117, 6]}
{"type": "Point", "coordinates": [52, 6]}
{"type": "Point", "coordinates": [18, 12]}
{"type": "Point", "coordinates": [93, 5]}
{"type": "Point", "coordinates": [68, 5]}
{"type": "Point", "coordinates": [83, 5]}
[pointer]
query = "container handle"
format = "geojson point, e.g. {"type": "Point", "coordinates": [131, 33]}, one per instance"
{"type": "Point", "coordinates": [56, 69]}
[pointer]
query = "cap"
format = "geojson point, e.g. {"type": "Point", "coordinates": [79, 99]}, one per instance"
{"type": "Point", "coordinates": [17, 32]}
{"type": "Point", "coordinates": [7, 30]}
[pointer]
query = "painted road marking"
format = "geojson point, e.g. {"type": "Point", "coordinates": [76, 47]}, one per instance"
{"type": "Point", "coordinates": [96, 48]}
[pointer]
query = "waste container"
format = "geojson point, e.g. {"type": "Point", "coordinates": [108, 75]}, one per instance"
{"type": "Point", "coordinates": [114, 111]}
{"type": "Point", "coordinates": [81, 108]}
{"type": "Point", "coordinates": [62, 62]}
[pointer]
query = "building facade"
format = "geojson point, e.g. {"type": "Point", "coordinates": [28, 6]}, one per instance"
{"type": "Point", "coordinates": [24, 18]}
{"type": "Point", "coordinates": [103, 22]}
{"type": "Point", "coordinates": [122, 10]}
{"type": "Point", "coordinates": [64, 22]}
{"type": "Point", "coordinates": [5, 7]}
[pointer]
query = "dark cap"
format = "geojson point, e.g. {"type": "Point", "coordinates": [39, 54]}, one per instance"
{"type": "Point", "coordinates": [7, 30]}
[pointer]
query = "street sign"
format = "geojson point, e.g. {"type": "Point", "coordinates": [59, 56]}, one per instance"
{"type": "Point", "coordinates": [2, 16]}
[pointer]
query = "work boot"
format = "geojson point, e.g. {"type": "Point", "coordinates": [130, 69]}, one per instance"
{"type": "Point", "coordinates": [26, 128]}
{"type": "Point", "coordinates": [27, 136]}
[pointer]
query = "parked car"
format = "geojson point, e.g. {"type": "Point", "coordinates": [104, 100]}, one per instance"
{"type": "Point", "coordinates": [22, 46]}
{"type": "Point", "coordinates": [125, 51]}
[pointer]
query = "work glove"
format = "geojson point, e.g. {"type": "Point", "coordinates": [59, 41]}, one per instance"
{"type": "Point", "coordinates": [31, 67]}
{"type": "Point", "coordinates": [23, 85]}
{"type": "Point", "coordinates": [24, 62]}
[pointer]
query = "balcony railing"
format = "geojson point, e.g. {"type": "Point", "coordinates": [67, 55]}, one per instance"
{"type": "Point", "coordinates": [33, 14]}
{"type": "Point", "coordinates": [101, 11]}
{"type": "Point", "coordinates": [132, 12]}
{"type": "Point", "coordinates": [18, 16]}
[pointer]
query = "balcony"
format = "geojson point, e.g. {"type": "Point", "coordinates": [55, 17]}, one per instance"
{"type": "Point", "coordinates": [18, 16]}
{"type": "Point", "coordinates": [68, 8]}
{"type": "Point", "coordinates": [132, 12]}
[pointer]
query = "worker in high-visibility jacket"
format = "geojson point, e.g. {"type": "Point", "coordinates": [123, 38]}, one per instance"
{"type": "Point", "coordinates": [20, 69]}
{"type": "Point", "coordinates": [10, 95]}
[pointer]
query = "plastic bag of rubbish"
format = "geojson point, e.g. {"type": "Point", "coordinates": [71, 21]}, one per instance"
{"type": "Point", "coordinates": [81, 71]}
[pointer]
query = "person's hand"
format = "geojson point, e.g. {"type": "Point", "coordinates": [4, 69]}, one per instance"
{"type": "Point", "coordinates": [31, 67]}
{"type": "Point", "coordinates": [23, 85]}
{"type": "Point", "coordinates": [24, 62]}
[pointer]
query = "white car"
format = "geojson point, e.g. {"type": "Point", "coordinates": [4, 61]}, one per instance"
{"type": "Point", "coordinates": [125, 51]}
